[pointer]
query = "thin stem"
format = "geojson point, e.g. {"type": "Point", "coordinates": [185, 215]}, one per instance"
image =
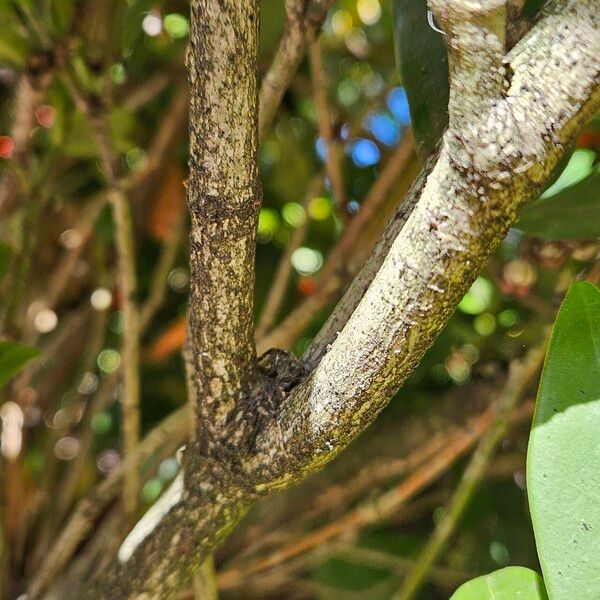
{"type": "Point", "coordinates": [205, 582]}
{"type": "Point", "coordinates": [383, 507]}
{"type": "Point", "coordinates": [304, 19]}
{"type": "Point", "coordinates": [521, 377]}
{"type": "Point", "coordinates": [127, 281]}
{"type": "Point", "coordinates": [158, 287]}
{"type": "Point", "coordinates": [333, 152]}
{"type": "Point", "coordinates": [349, 253]}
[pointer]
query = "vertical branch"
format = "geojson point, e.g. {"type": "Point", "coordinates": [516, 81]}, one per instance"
{"type": "Point", "coordinates": [30, 92]}
{"type": "Point", "coordinates": [304, 19]}
{"type": "Point", "coordinates": [130, 349]}
{"type": "Point", "coordinates": [224, 200]}
{"type": "Point", "coordinates": [205, 582]}
{"type": "Point", "coordinates": [334, 155]}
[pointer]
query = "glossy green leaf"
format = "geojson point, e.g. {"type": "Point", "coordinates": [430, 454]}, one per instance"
{"type": "Point", "coordinates": [5, 256]}
{"type": "Point", "coordinates": [572, 214]}
{"type": "Point", "coordinates": [563, 474]}
{"type": "Point", "coordinates": [423, 68]}
{"type": "Point", "coordinates": [578, 168]}
{"type": "Point", "coordinates": [13, 357]}
{"type": "Point", "coordinates": [511, 583]}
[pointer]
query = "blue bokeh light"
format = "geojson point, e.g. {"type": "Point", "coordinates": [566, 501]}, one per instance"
{"type": "Point", "coordinates": [321, 149]}
{"type": "Point", "coordinates": [365, 153]}
{"type": "Point", "coordinates": [384, 128]}
{"type": "Point", "coordinates": [397, 102]}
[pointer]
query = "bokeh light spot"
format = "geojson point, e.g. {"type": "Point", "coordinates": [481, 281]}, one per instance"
{"type": "Point", "coordinates": [101, 299]}
{"type": "Point", "coordinates": [268, 222]}
{"type": "Point", "coordinates": [478, 298]}
{"type": "Point", "coordinates": [341, 22]}
{"type": "Point", "coordinates": [397, 102]}
{"type": "Point", "coordinates": [319, 208]}
{"type": "Point", "coordinates": [109, 360]}
{"type": "Point", "coordinates": [383, 128]}
{"type": "Point", "coordinates": [151, 490]}
{"type": "Point", "coordinates": [45, 320]}
{"type": "Point", "coordinates": [7, 146]}
{"type": "Point", "coordinates": [307, 260]}
{"type": "Point", "coordinates": [293, 214]}
{"type": "Point", "coordinates": [152, 24]}
{"type": "Point", "coordinates": [369, 11]}
{"type": "Point", "coordinates": [176, 25]}
{"type": "Point", "coordinates": [365, 153]}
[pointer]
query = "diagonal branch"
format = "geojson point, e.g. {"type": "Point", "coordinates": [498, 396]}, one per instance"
{"type": "Point", "coordinates": [492, 161]}
{"type": "Point", "coordinates": [304, 19]}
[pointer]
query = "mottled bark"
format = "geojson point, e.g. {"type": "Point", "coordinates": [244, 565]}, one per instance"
{"type": "Point", "coordinates": [224, 200]}
{"type": "Point", "coordinates": [263, 426]}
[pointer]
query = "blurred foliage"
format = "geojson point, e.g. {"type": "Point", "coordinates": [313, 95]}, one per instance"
{"type": "Point", "coordinates": [423, 66]}
{"type": "Point", "coordinates": [13, 357]}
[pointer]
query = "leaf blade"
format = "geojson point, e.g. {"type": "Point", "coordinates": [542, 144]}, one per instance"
{"type": "Point", "coordinates": [572, 214]}
{"type": "Point", "coordinates": [423, 68]}
{"type": "Point", "coordinates": [13, 357]}
{"type": "Point", "coordinates": [562, 474]}
{"type": "Point", "coordinates": [504, 584]}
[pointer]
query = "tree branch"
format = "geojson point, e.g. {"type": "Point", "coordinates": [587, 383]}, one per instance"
{"type": "Point", "coordinates": [492, 161]}
{"type": "Point", "coordinates": [224, 197]}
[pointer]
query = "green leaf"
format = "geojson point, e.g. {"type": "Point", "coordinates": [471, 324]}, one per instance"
{"type": "Point", "coordinates": [13, 357]}
{"type": "Point", "coordinates": [506, 584]}
{"type": "Point", "coordinates": [423, 67]}
{"type": "Point", "coordinates": [5, 256]}
{"type": "Point", "coordinates": [578, 168]}
{"type": "Point", "coordinates": [572, 214]}
{"type": "Point", "coordinates": [563, 478]}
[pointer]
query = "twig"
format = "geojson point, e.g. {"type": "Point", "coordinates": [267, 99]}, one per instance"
{"type": "Point", "coordinates": [167, 134]}
{"type": "Point", "coordinates": [522, 375]}
{"type": "Point", "coordinates": [444, 577]}
{"type": "Point", "coordinates": [205, 583]}
{"type": "Point", "coordinates": [284, 268]}
{"type": "Point", "coordinates": [30, 92]}
{"type": "Point", "coordinates": [127, 280]}
{"type": "Point", "coordinates": [304, 19]}
{"type": "Point", "coordinates": [162, 441]}
{"type": "Point", "coordinates": [147, 91]}
{"type": "Point", "coordinates": [333, 153]}
{"type": "Point", "coordinates": [85, 228]}
{"type": "Point", "coordinates": [158, 287]}
{"type": "Point", "coordinates": [382, 508]}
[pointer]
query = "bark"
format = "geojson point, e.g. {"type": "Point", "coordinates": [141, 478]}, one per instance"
{"type": "Point", "coordinates": [262, 426]}
{"type": "Point", "coordinates": [224, 199]}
